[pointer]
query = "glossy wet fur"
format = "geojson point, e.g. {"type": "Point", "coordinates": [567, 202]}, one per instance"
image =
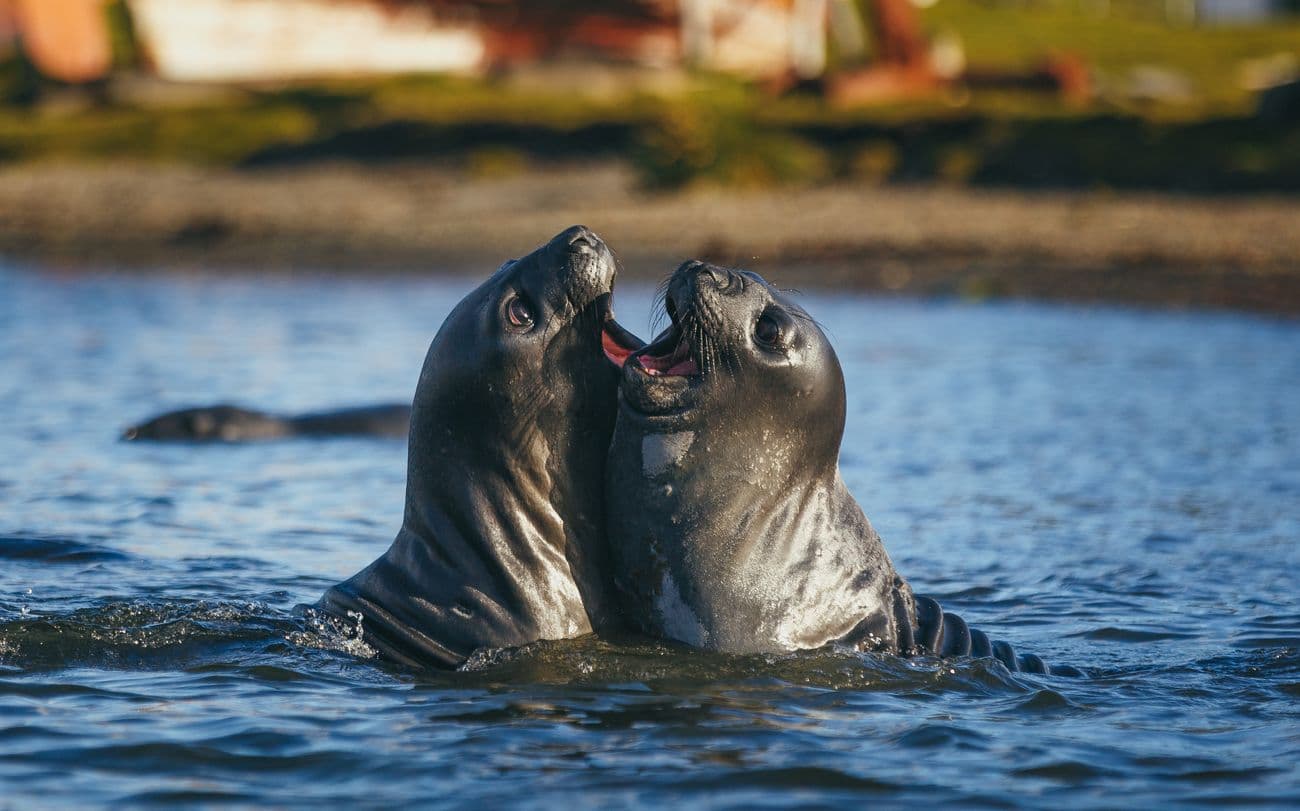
{"type": "Point", "coordinates": [502, 540]}
{"type": "Point", "coordinates": [731, 530]}
{"type": "Point", "coordinates": [730, 525]}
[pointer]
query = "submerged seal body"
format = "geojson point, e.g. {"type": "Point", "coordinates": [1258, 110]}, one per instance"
{"type": "Point", "coordinates": [731, 528]}
{"type": "Point", "coordinates": [229, 423]}
{"type": "Point", "coordinates": [502, 542]}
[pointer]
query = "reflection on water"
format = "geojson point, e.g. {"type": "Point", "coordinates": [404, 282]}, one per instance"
{"type": "Point", "coordinates": [1107, 488]}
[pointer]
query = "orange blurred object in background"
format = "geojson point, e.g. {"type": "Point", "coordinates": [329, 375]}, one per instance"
{"type": "Point", "coordinates": [66, 40]}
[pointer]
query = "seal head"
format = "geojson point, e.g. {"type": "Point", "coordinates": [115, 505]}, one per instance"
{"type": "Point", "coordinates": [502, 541]}
{"type": "Point", "coordinates": [730, 526]}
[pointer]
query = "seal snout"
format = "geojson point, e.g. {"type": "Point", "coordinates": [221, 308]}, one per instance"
{"type": "Point", "coordinates": [696, 273]}
{"type": "Point", "coordinates": [588, 273]}
{"type": "Point", "coordinates": [580, 237]}
{"type": "Point", "coordinates": [579, 241]}
{"type": "Point", "coordinates": [588, 264]}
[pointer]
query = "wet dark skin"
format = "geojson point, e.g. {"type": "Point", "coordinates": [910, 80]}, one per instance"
{"type": "Point", "coordinates": [731, 528]}
{"type": "Point", "coordinates": [502, 542]}
{"type": "Point", "coordinates": [231, 423]}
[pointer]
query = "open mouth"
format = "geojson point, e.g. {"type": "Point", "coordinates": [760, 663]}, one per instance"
{"type": "Point", "coordinates": [669, 356]}
{"type": "Point", "coordinates": [662, 381]}
{"type": "Point", "coordinates": [617, 343]}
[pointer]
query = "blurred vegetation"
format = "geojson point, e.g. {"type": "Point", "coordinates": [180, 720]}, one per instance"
{"type": "Point", "coordinates": [1131, 35]}
{"type": "Point", "coordinates": [1175, 110]}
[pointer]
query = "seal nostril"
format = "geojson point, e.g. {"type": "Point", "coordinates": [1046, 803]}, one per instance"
{"type": "Point", "coordinates": [580, 236]}
{"type": "Point", "coordinates": [720, 277]}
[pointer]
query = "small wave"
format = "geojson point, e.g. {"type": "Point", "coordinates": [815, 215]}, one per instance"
{"type": "Point", "coordinates": [120, 632]}
{"type": "Point", "coordinates": [938, 736]}
{"type": "Point", "coordinates": [793, 777]}
{"type": "Point", "coordinates": [171, 755]}
{"type": "Point", "coordinates": [591, 660]}
{"type": "Point", "coordinates": [55, 550]}
{"type": "Point", "coordinates": [1266, 641]}
{"type": "Point", "coordinates": [47, 692]}
{"type": "Point", "coordinates": [1065, 771]}
{"type": "Point", "coordinates": [190, 797]}
{"type": "Point", "coordinates": [1160, 540]}
{"type": "Point", "coordinates": [1269, 631]}
{"type": "Point", "coordinates": [1114, 634]}
{"type": "Point", "coordinates": [1048, 702]}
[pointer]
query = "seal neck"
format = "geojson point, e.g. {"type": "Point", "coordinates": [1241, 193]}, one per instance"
{"type": "Point", "coordinates": [738, 552]}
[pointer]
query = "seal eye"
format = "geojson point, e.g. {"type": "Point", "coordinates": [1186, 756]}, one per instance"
{"type": "Point", "coordinates": [519, 313]}
{"type": "Point", "coordinates": [767, 331]}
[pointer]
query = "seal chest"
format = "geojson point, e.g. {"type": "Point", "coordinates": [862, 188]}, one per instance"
{"type": "Point", "coordinates": [677, 619]}
{"type": "Point", "coordinates": [661, 451]}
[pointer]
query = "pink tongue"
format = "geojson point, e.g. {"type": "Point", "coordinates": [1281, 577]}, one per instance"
{"type": "Point", "coordinates": [679, 362]}
{"type": "Point", "coordinates": [686, 367]}
{"type": "Point", "coordinates": [617, 354]}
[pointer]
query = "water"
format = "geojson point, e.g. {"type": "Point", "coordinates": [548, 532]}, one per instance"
{"type": "Point", "coordinates": [1109, 488]}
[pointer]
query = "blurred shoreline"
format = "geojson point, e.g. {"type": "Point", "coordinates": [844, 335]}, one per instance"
{"type": "Point", "coordinates": [1238, 252]}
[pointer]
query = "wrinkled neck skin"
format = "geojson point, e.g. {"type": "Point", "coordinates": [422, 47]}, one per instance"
{"type": "Point", "coordinates": [730, 527]}
{"type": "Point", "coordinates": [502, 540]}
{"type": "Point", "coordinates": [523, 523]}
{"type": "Point", "coordinates": [726, 537]}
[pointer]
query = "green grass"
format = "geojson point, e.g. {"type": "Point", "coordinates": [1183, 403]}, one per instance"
{"type": "Point", "coordinates": [1133, 35]}
{"type": "Point", "coordinates": [716, 130]}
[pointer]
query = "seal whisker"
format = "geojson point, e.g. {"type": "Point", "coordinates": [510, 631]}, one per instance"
{"type": "Point", "coordinates": [659, 305]}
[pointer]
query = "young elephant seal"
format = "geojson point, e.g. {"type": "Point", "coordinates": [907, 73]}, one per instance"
{"type": "Point", "coordinates": [228, 423]}
{"type": "Point", "coordinates": [502, 542]}
{"type": "Point", "coordinates": [731, 527]}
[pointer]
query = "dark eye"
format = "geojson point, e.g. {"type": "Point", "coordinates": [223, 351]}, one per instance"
{"type": "Point", "coordinates": [519, 313]}
{"type": "Point", "coordinates": [767, 331]}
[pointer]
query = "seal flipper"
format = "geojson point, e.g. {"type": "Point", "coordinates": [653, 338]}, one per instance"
{"type": "Point", "coordinates": [1032, 663]}
{"type": "Point", "coordinates": [947, 634]}
{"type": "Point", "coordinates": [956, 636]}
{"type": "Point", "coordinates": [929, 625]}
{"type": "Point", "coordinates": [1006, 654]}
{"type": "Point", "coordinates": [871, 634]}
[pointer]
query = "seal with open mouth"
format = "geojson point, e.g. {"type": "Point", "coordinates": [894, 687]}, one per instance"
{"type": "Point", "coordinates": [502, 542]}
{"type": "Point", "coordinates": [730, 525]}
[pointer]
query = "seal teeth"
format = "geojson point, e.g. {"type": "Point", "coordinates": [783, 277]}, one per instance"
{"type": "Point", "coordinates": [671, 355]}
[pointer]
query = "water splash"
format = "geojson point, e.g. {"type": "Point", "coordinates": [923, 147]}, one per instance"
{"type": "Point", "coordinates": [327, 632]}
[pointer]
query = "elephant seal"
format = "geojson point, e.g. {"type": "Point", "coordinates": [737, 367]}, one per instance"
{"type": "Point", "coordinates": [731, 528]}
{"type": "Point", "coordinates": [228, 423]}
{"type": "Point", "coordinates": [502, 542]}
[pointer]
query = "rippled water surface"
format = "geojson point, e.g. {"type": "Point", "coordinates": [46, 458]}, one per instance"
{"type": "Point", "coordinates": [1113, 489]}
